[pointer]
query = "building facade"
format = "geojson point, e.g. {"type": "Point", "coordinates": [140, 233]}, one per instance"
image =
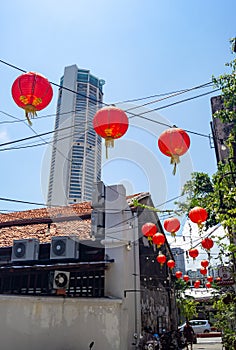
{"type": "Point", "coordinates": [76, 153]}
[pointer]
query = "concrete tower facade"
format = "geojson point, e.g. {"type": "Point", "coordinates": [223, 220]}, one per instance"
{"type": "Point", "coordinates": [76, 153]}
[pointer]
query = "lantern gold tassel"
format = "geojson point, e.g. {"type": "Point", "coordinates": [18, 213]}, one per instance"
{"type": "Point", "coordinates": [174, 160]}
{"type": "Point", "coordinates": [30, 112]}
{"type": "Point", "coordinates": [109, 143]}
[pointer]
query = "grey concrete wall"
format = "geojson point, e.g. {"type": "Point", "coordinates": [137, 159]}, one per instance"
{"type": "Point", "coordinates": [33, 323]}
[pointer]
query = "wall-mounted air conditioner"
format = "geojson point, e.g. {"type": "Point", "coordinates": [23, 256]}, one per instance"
{"type": "Point", "coordinates": [61, 280]}
{"type": "Point", "coordinates": [64, 247]}
{"type": "Point", "coordinates": [25, 249]}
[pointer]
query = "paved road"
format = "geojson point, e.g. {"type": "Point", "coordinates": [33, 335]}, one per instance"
{"type": "Point", "coordinates": [208, 343]}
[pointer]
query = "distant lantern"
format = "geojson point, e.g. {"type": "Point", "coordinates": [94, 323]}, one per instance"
{"type": "Point", "coordinates": [110, 123]}
{"type": "Point", "coordinates": [204, 263]}
{"type": "Point", "coordinates": [161, 258]}
{"type": "Point", "coordinates": [198, 215]}
{"type": "Point", "coordinates": [186, 278]}
{"type": "Point", "coordinates": [32, 92]}
{"type": "Point", "coordinates": [203, 271]}
{"type": "Point", "coordinates": [172, 225]}
{"type": "Point", "coordinates": [193, 253]}
{"type": "Point", "coordinates": [208, 285]}
{"type": "Point", "coordinates": [158, 239]}
{"type": "Point", "coordinates": [197, 284]}
{"type": "Point", "coordinates": [173, 143]}
{"type": "Point", "coordinates": [149, 229]}
{"type": "Point", "coordinates": [210, 279]}
{"type": "Point", "coordinates": [178, 274]}
{"type": "Point", "coordinates": [170, 264]}
{"type": "Point", "coordinates": [207, 243]}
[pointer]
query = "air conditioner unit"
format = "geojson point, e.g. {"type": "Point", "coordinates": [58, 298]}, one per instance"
{"type": "Point", "coordinates": [64, 247]}
{"type": "Point", "coordinates": [61, 280]}
{"type": "Point", "coordinates": [25, 249]}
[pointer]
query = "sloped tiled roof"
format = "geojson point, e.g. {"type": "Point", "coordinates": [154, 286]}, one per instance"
{"type": "Point", "coordinates": [44, 223]}
{"type": "Point", "coordinates": [57, 221]}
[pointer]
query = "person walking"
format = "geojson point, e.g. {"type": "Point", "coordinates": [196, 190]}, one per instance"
{"type": "Point", "coordinates": [188, 335]}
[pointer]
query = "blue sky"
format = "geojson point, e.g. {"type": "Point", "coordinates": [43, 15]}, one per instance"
{"type": "Point", "coordinates": [140, 49]}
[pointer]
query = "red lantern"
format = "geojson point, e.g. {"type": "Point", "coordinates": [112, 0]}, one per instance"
{"type": "Point", "coordinates": [178, 274]}
{"type": "Point", "coordinates": [207, 243]}
{"type": "Point", "coordinates": [149, 229]}
{"type": "Point", "coordinates": [32, 92]}
{"type": "Point", "coordinates": [161, 258]}
{"type": "Point", "coordinates": [186, 278]}
{"type": "Point", "coordinates": [204, 263]}
{"type": "Point", "coordinates": [198, 215]}
{"type": "Point", "coordinates": [197, 284]}
{"type": "Point", "coordinates": [203, 271]}
{"type": "Point", "coordinates": [171, 264]}
{"type": "Point", "coordinates": [193, 253]}
{"type": "Point", "coordinates": [210, 279]}
{"type": "Point", "coordinates": [172, 225]}
{"type": "Point", "coordinates": [158, 239]}
{"type": "Point", "coordinates": [208, 285]}
{"type": "Point", "coordinates": [110, 123]}
{"type": "Point", "coordinates": [174, 142]}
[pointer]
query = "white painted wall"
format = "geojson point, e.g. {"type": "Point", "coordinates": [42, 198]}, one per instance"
{"type": "Point", "coordinates": [55, 323]}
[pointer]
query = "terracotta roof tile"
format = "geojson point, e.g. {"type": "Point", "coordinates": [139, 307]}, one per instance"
{"type": "Point", "coordinates": [17, 229]}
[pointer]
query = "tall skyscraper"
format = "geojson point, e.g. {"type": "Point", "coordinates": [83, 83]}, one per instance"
{"type": "Point", "coordinates": [76, 153]}
{"type": "Point", "coordinates": [178, 254]}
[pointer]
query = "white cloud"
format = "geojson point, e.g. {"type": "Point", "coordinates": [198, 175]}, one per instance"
{"type": "Point", "coordinates": [4, 136]}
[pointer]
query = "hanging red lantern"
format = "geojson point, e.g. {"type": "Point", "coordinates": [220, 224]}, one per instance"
{"type": "Point", "coordinates": [171, 264]}
{"type": "Point", "coordinates": [110, 123]}
{"type": "Point", "coordinates": [172, 225]}
{"type": "Point", "coordinates": [198, 215]}
{"type": "Point", "coordinates": [210, 279]}
{"type": "Point", "coordinates": [197, 284]}
{"type": "Point", "coordinates": [218, 279]}
{"type": "Point", "coordinates": [193, 253]}
{"type": "Point", "coordinates": [207, 243]}
{"type": "Point", "coordinates": [186, 278]}
{"type": "Point", "coordinates": [149, 229]}
{"type": "Point", "coordinates": [204, 263]}
{"type": "Point", "coordinates": [203, 271]}
{"type": "Point", "coordinates": [208, 285]}
{"type": "Point", "coordinates": [32, 92]}
{"type": "Point", "coordinates": [161, 258]}
{"type": "Point", "coordinates": [158, 239]}
{"type": "Point", "coordinates": [178, 274]}
{"type": "Point", "coordinates": [174, 142]}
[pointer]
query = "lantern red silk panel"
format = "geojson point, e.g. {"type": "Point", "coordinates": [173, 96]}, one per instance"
{"type": "Point", "coordinates": [178, 274]}
{"type": "Point", "coordinates": [171, 264]}
{"type": "Point", "coordinates": [110, 123]}
{"type": "Point", "coordinates": [186, 278]}
{"type": "Point", "coordinates": [198, 215]}
{"type": "Point", "coordinates": [204, 263]}
{"type": "Point", "coordinates": [210, 279]}
{"type": "Point", "coordinates": [203, 271]}
{"type": "Point", "coordinates": [208, 285]}
{"type": "Point", "coordinates": [193, 253]}
{"type": "Point", "coordinates": [174, 142]}
{"type": "Point", "coordinates": [172, 225]}
{"type": "Point", "coordinates": [161, 258]}
{"type": "Point", "coordinates": [207, 243]}
{"type": "Point", "coordinates": [32, 92]}
{"type": "Point", "coordinates": [197, 284]}
{"type": "Point", "coordinates": [158, 239]}
{"type": "Point", "coordinates": [149, 229]}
